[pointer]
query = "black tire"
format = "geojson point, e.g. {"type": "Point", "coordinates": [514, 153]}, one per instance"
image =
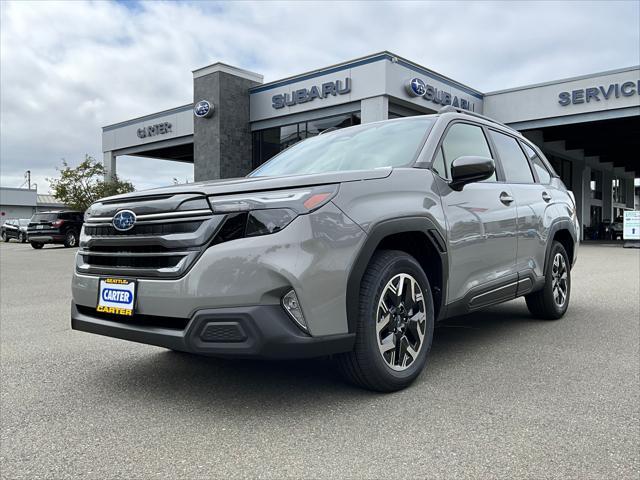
{"type": "Point", "coordinates": [542, 304]}
{"type": "Point", "coordinates": [22, 237]}
{"type": "Point", "coordinates": [71, 239]}
{"type": "Point", "coordinates": [37, 245]}
{"type": "Point", "coordinates": [365, 366]}
{"type": "Point", "coordinates": [5, 237]}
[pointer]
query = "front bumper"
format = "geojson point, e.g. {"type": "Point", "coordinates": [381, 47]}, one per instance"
{"type": "Point", "coordinates": [262, 331]}
{"type": "Point", "coordinates": [313, 255]}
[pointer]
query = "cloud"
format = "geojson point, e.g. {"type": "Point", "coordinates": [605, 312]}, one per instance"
{"type": "Point", "coordinates": [66, 69]}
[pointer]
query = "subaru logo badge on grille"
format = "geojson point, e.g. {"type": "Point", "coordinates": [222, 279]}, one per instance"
{"type": "Point", "coordinates": [124, 220]}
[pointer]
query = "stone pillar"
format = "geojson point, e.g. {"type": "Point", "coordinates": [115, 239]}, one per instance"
{"type": "Point", "coordinates": [109, 162]}
{"type": "Point", "coordinates": [374, 109]}
{"type": "Point", "coordinates": [222, 142]}
{"type": "Point", "coordinates": [607, 196]}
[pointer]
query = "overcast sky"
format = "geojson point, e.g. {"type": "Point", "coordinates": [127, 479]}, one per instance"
{"type": "Point", "coordinates": [67, 69]}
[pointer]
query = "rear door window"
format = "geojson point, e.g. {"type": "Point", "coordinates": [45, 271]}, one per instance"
{"type": "Point", "coordinates": [514, 163]}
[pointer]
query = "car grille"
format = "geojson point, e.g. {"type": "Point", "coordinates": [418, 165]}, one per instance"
{"type": "Point", "coordinates": [150, 229]}
{"type": "Point", "coordinates": [161, 244]}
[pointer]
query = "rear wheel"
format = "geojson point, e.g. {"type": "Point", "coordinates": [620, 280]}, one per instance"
{"type": "Point", "coordinates": [395, 324]}
{"type": "Point", "coordinates": [552, 301]}
{"type": "Point", "coordinates": [22, 238]}
{"type": "Point", "coordinates": [71, 239]}
{"type": "Point", "coordinates": [37, 245]}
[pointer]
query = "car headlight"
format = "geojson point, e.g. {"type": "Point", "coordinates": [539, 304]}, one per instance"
{"type": "Point", "coordinates": [270, 212]}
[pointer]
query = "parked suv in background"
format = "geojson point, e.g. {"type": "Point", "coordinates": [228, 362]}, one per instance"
{"type": "Point", "coordinates": [14, 228]}
{"type": "Point", "coordinates": [352, 243]}
{"type": "Point", "coordinates": [55, 227]}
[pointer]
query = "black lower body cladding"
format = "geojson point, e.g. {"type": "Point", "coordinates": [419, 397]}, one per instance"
{"type": "Point", "coordinates": [262, 331]}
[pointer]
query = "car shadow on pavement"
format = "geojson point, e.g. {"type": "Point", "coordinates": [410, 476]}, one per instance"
{"type": "Point", "coordinates": [263, 386]}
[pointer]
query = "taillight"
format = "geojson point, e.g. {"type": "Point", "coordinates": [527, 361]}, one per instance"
{"type": "Point", "coordinates": [57, 223]}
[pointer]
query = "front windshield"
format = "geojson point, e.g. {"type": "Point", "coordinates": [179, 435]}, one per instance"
{"type": "Point", "coordinates": [24, 222]}
{"type": "Point", "coordinates": [364, 147]}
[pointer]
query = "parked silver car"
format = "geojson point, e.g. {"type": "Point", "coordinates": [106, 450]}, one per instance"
{"type": "Point", "coordinates": [352, 244]}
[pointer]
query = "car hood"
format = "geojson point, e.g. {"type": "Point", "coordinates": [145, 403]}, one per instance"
{"type": "Point", "coordinates": [255, 184]}
{"type": "Point", "coordinates": [171, 198]}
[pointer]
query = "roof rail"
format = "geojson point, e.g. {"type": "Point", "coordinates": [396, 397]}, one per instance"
{"type": "Point", "coordinates": [452, 109]}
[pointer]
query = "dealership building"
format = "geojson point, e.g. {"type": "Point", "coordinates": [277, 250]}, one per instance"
{"type": "Point", "coordinates": [588, 126]}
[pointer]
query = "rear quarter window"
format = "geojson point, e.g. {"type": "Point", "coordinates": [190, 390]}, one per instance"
{"type": "Point", "coordinates": [538, 165]}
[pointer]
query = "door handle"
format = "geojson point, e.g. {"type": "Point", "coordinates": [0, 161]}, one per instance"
{"type": "Point", "coordinates": [506, 198]}
{"type": "Point", "coordinates": [546, 197]}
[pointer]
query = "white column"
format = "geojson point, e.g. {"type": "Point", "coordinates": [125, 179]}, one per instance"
{"type": "Point", "coordinates": [109, 162]}
{"type": "Point", "coordinates": [374, 109]}
{"type": "Point", "coordinates": [581, 176]}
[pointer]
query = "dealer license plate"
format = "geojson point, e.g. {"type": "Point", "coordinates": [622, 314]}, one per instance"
{"type": "Point", "coordinates": [116, 296]}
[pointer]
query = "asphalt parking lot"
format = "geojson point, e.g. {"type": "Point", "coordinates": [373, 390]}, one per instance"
{"type": "Point", "coordinates": [504, 396]}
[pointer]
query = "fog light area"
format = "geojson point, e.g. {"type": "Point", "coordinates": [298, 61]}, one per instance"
{"type": "Point", "coordinates": [292, 306]}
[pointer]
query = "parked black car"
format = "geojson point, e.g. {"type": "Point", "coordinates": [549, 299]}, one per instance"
{"type": "Point", "coordinates": [15, 228]}
{"type": "Point", "coordinates": [55, 227]}
{"type": "Point", "coordinates": [611, 230]}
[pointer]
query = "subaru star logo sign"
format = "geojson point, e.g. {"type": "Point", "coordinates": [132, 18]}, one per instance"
{"type": "Point", "coordinates": [203, 109]}
{"type": "Point", "coordinates": [416, 87]}
{"type": "Point", "coordinates": [124, 220]}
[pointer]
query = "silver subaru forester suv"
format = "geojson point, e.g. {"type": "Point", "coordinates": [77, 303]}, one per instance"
{"type": "Point", "coordinates": [350, 244]}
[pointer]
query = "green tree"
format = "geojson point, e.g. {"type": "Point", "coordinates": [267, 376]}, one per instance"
{"type": "Point", "coordinates": [78, 187]}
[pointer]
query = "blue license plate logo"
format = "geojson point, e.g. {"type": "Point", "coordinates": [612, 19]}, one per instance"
{"type": "Point", "coordinates": [116, 296]}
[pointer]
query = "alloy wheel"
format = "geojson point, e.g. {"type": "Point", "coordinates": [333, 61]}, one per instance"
{"type": "Point", "coordinates": [401, 322]}
{"type": "Point", "coordinates": [559, 274]}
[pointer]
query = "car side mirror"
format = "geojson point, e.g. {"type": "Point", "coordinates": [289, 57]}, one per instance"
{"type": "Point", "coordinates": [469, 169]}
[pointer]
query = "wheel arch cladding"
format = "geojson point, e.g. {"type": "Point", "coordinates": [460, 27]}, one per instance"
{"type": "Point", "coordinates": [417, 236]}
{"type": "Point", "coordinates": [561, 231]}
{"type": "Point", "coordinates": [566, 240]}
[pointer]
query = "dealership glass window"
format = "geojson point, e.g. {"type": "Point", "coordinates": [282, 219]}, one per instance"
{"type": "Point", "coordinates": [618, 189]}
{"type": "Point", "coordinates": [595, 185]}
{"type": "Point", "coordinates": [271, 141]}
{"type": "Point", "coordinates": [462, 140]}
{"type": "Point", "coordinates": [596, 216]}
{"type": "Point", "coordinates": [618, 214]}
{"type": "Point", "coordinates": [515, 164]}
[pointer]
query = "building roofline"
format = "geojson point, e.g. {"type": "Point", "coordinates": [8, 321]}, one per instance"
{"type": "Point", "coordinates": [374, 57]}
{"type": "Point", "coordinates": [565, 80]}
{"type": "Point", "coordinates": [19, 189]}
{"type": "Point", "coordinates": [150, 116]}
{"type": "Point", "coordinates": [226, 68]}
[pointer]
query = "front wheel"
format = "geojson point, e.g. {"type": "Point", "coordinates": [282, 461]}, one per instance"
{"type": "Point", "coordinates": [394, 327]}
{"type": "Point", "coordinates": [5, 238]}
{"type": "Point", "coordinates": [71, 239]}
{"type": "Point", "coordinates": [552, 301]}
{"type": "Point", "coordinates": [37, 245]}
